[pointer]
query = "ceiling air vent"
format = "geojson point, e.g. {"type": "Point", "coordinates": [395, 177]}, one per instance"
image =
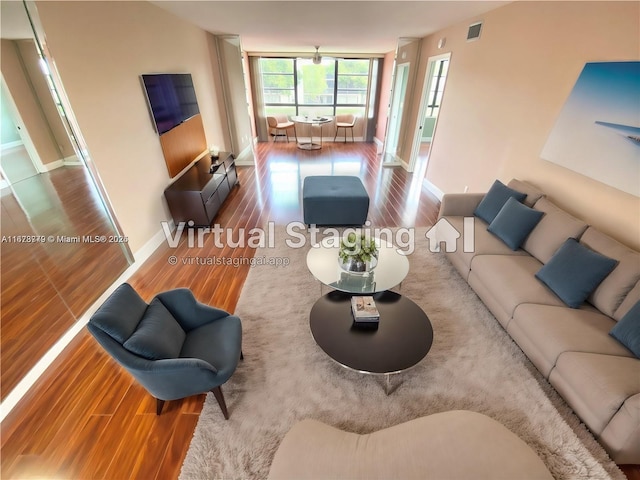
{"type": "Point", "coordinates": [474, 31]}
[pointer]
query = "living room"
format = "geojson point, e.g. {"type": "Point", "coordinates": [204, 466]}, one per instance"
{"type": "Point", "coordinates": [504, 94]}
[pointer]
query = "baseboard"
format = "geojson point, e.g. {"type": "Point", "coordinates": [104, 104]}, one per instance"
{"type": "Point", "coordinates": [140, 256]}
{"type": "Point", "coordinates": [433, 189]}
{"type": "Point", "coordinates": [379, 145]}
{"type": "Point", "coordinates": [72, 160]}
{"type": "Point", "coordinates": [47, 167]}
{"type": "Point", "coordinates": [10, 145]}
{"type": "Point", "coordinates": [392, 160]}
{"type": "Point", "coordinates": [245, 158]}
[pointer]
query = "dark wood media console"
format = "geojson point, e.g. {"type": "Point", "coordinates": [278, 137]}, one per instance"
{"type": "Point", "coordinates": [197, 195]}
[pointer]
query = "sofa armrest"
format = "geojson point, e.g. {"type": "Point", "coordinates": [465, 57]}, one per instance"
{"type": "Point", "coordinates": [621, 437]}
{"type": "Point", "coordinates": [459, 204]}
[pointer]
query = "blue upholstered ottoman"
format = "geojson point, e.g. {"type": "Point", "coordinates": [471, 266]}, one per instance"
{"type": "Point", "coordinates": [334, 200]}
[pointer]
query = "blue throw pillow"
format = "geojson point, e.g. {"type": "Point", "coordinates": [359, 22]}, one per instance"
{"type": "Point", "coordinates": [158, 335]}
{"type": "Point", "coordinates": [514, 223]}
{"type": "Point", "coordinates": [627, 330]}
{"type": "Point", "coordinates": [495, 199]}
{"type": "Point", "coordinates": [575, 271]}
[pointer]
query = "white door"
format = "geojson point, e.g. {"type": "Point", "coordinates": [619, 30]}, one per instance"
{"type": "Point", "coordinates": [432, 94]}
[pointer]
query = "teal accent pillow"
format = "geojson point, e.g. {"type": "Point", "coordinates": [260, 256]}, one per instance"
{"type": "Point", "coordinates": [514, 223]}
{"type": "Point", "coordinates": [627, 330]}
{"type": "Point", "coordinates": [495, 199]}
{"type": "Point", "coordinates": [158, 335]}
{"type": "Point", "coordinates": [574, 271]}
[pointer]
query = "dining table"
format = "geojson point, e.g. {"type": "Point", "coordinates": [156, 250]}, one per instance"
{"type": "Point", "coordinates": [311, 121]}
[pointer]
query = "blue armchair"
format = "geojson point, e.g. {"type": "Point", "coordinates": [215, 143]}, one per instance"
{"type": "Point", "coordinates": [174, 346]}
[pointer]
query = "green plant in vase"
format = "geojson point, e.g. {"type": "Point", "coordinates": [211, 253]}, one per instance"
{"type": "Point", "coordinates": [358, 253]}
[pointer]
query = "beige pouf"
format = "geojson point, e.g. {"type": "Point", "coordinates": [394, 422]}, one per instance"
{"type": "Point", "coordinates": [449, 445]}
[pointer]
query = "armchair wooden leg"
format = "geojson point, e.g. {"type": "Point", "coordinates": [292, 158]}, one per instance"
{"type": "Point", "coordinates": [217, 392]}
{"type": "Point", "coordinates": [159, 405]}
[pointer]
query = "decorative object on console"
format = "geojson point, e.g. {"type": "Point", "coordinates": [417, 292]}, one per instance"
{"type": "Point", "coordinates": [214, 151]}
{"type": "Point", "coordinates": [358, 253]}
{"type": "Point", "coordinates": [597, 132]}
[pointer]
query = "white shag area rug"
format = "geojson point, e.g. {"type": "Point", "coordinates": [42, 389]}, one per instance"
{"type": "Point", "coordinates": [285, 377]}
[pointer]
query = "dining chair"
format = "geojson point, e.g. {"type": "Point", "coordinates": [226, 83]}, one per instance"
{"type": "Point", "coordinates": [280, 123]}
{"type": "Point", "coordinates": [346, 121]}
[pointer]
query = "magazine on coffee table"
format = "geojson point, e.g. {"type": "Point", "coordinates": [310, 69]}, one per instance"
{"type": "Point", "coordinates": [364, 309]}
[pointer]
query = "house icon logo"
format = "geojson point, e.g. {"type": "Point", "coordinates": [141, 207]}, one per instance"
{"type": "Point", "coordinates": [444, 232]}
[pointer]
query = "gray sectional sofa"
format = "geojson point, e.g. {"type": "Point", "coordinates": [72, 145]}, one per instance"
{"type": "Point", "coordinates": [597, 376]}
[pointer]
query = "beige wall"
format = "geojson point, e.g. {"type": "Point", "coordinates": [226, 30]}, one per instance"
{"type": "Point", "coordinates": [26, 102]}
{"type": "Point", "coordinates": [385, 95]}
{"type": "Point", "coordinates": [505, 90]}
{"type": "Point", "coordinates": [100, 49]}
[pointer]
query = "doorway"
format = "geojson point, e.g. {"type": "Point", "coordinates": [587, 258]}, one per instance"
{"type": "Point", "coordinates": [432, 95]}
{"type": "Point", "coordinates": [396, 110]}
{"type": "Point", "coordinates": [16, 162]}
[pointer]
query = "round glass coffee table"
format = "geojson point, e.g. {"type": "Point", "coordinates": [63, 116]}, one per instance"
{"type": "Point", "coordinates": [391, 270]}
{"type": "Point", "coordinates": [402, 338]}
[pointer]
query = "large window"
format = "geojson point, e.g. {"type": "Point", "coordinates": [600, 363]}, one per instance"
{"type": "Point", "coordinates": [294, 86]}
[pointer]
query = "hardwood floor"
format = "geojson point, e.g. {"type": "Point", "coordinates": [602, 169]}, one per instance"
{"type": "Point", "coordinates": [47, 286]}
{"type": "Point", "coordinates": [86, 418]}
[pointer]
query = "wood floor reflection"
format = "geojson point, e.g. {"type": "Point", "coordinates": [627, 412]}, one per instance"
{"type": "Point", "coordinates": [86, 418]}
{"type": "Point", "coordinates": [47, 285]}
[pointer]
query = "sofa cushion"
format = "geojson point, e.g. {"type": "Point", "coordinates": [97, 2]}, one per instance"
{"type": "Point", "coordinates": [158, 335]}
{"type": "Point", "coordinates": [533, 193]}
{"type": "Point", "coordinates": [514, 222]}
{"type": "Point", "coordinates": [484, 243]}
{"type": "Point", "coordinates": [120, 314]}
{"type": "Point", "coordinates": [552, 230]}
{"type": "Point", "coordinates": [627, 330]}
{"type": "Point", "coordinates": [596, 385]}
{"type": "Point", "coordinates": [629, 301]}
{"type": "Point", "coordinates": [544, 332]}
{"type": "Point", "coordinates": [575, 271]}
{"type": "Point", "coordinates": [495, 198]}
{"type": "Point", "coordinates": [613, 289]}
{"type": "Point", "coordinates": [511, 280]}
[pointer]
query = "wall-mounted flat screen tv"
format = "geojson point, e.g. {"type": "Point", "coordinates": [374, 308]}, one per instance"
{"type": "Point", "coordinates": [171, 98]}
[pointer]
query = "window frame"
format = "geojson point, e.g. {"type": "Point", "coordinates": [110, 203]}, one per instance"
{"type": "Point", "coordinates": [335, 105]}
